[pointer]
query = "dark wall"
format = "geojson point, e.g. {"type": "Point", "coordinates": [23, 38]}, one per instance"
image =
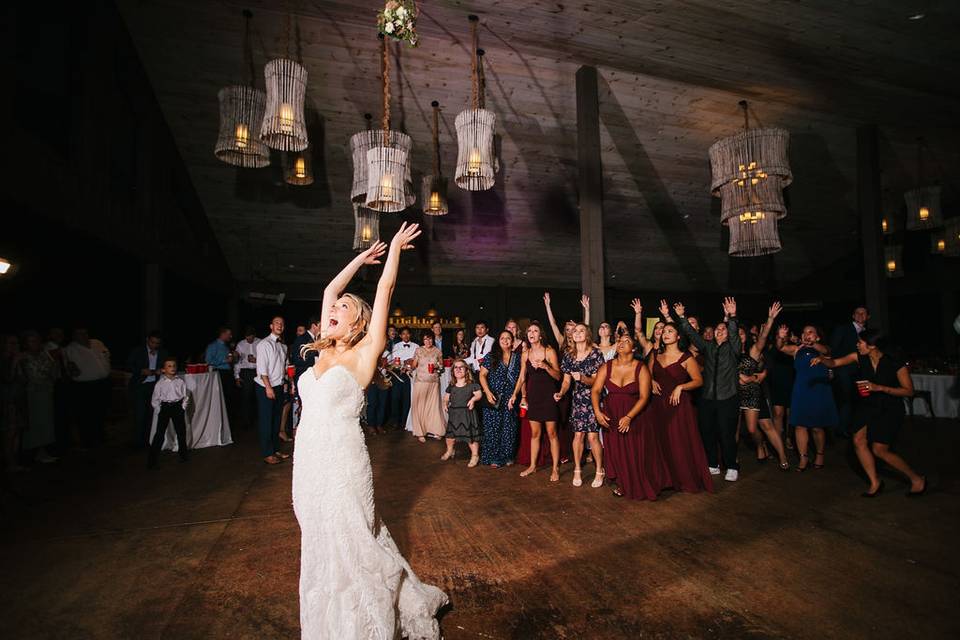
{"type": "Point", "coordinates": [96, 191]}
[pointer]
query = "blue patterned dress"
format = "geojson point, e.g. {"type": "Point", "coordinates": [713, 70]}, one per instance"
{"type": "Point", "coordinates": [499, 439]}
{"type": "Point", "coordinates": [581, 408]}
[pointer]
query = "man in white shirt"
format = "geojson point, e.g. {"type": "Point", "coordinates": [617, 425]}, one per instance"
{"type": "Point", "coordinates": [271, 368]}
{"type": "Point", "coordinates": [401, 356]}
{"type": "Point", "coordinates": [480, 347]}
{"type": "Point", "coordinates": [244, 375]}
{"type": "Point", "coordinates": [88, 364]}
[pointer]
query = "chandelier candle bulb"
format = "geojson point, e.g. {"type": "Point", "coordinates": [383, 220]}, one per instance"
{"type": "Point", "coordinates": [300, 168]}
{"type": "Point", "coordinates": [286, 118]}
{"type": "Point", "coordinates": [242, 135]}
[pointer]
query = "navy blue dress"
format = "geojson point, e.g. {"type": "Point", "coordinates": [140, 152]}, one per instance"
{"type": "Point", "coordinates": [811, 404]}
{"type": "Point", "coordinates": [582, 418]}
{"type": "Point", "coordinates": [500, 426]}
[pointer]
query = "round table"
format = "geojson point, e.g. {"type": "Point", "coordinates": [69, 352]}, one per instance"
{"type": "Point", "coordinates": [206, 414]}
{"type": "Point", "coordinates": [943, 395]}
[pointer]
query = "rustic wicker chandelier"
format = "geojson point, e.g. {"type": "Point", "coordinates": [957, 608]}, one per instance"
{"type": "Point", "coordinates": [366, 231]}
{"type": "Point", "coordinates": [434, 192]}
{"type": "Point", "coordinates": [284, 127]}
{"type": "Point", "coordinates": [298, 167]}
{"type": "Point", "coordinates": [923, 202]}
{"type": "Point", "coordinates": [476, 161]}
{"type": "Point", "coordinates": [241, 115]}
{"type": "Point", "coordinates": [387, 163]}
{"type": "Point", "coordinates": [750, 170]}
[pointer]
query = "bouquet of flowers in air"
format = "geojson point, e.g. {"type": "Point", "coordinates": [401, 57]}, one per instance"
{"type": "Point", "coordinates": [398, 20]}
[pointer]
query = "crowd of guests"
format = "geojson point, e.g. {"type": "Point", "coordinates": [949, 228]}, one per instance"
{"type": "Point", "coordinates": [649, 411]}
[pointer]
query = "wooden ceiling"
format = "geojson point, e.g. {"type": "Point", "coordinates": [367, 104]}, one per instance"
{"type": "Point", "coordinates": [671, 76]}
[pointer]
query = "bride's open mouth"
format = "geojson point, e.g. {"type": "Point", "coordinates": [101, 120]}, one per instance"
{"type": "Point", "coordinates": [332, 323]}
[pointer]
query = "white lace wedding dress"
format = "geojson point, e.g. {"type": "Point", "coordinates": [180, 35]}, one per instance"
{"type": "Point", "coordinates": [354, 584]}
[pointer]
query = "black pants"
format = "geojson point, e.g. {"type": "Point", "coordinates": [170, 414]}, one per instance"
{"type": "Point", "coordinates": [400, 401]}
{"type": "Point", "coordinates": [90, 401]}
{"type": "Point", "coordinates": [377, 405]}
{"type": "Point", "coordinates": [142, 413]}
{"type": "Point", "coordinates": [229, 393]}
{"type": "Point", "coordinates": [269, 419]}
{"type": "Point", "coordinates": [170, 411]}
{"type": "Point", "coordinates": [248, 398]}
{"type": "Point", "coordinates": [718, 424]}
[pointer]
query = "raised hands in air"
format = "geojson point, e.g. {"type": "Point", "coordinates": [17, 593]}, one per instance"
{"type": "Point", "coordinates": [405, 236]}
{"type": "Point", "coordinates": [374, 253]}
{"type": "Point", "coordinates": [664, 309]}
{"type": "Point", "coordinates": [679, 309]}
{"type": "Point", "coordinates": [636, 306]}
{"type": "Point", "coordinates": [774, 311]}
{"type": "Point", "coordinates": [729, 307]}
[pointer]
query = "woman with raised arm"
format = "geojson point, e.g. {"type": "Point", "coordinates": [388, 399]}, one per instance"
{"type": "Point", "coordinates": [882, 384]}
{"type": "Point", "coordinates": [579, 366]}
{"type": "Point", "coordinates": [675, 375]}
{"type": "Point", "coordinates": [754, 403]}
{"type": "Point", "coordinates": [541, 372]}
{"type": "Point", "coordinates": [719, 403]}
{"type": "Point", "coordinates": [631, 451]}
{"type": "Point", "coordinates": [811, 404]}
{"type": "Point", "coordinates": [500, 377]}
{"type": "Point", "coordinates": [354, 583]}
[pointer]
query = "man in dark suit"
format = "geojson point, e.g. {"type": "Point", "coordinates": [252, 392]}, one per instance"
{"type": "Point", "coordinates": [442, 342]}
{"type": "Point", "coordinates": [844, 341]}
{"type": "Point", "coordinates": [144, 363]}
{"type": "Point", "coordinates": [299, 362]}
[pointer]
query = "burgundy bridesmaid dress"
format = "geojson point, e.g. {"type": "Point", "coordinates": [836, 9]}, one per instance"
{"type": "Point", "coordinates": [676, 427]}
{"type": "Point", "coordinates": [633, 458]}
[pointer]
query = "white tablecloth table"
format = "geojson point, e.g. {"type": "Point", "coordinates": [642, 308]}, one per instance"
{"type": "Point", "coordinates": [940, 388]}
{"type": "Point", "coordinates": [444, 383]}
{"type": "Point", "coordinates": [206, 415]}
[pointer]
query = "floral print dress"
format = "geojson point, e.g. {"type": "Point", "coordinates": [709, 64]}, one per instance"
{"type": "Point", "coordinates": [581, 408]}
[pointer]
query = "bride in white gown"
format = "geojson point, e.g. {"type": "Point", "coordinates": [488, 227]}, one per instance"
{"type": "Point", "coordinates": [354, 584]}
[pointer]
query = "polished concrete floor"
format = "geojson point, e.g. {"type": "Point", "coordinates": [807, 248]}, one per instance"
{"type": "Point", "coordinates": [96, 546]}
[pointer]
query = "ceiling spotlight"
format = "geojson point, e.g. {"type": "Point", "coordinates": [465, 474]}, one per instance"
{"type": "Point", "coordinates": [917, 16]}
{"type": "Point", "coordinates": [4, 266]}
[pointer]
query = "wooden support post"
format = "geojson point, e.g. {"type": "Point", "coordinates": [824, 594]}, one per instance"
{"type": "Point", "coordinates": [590, 189]}
{"type": "Point", "coordinates": [152, 297]}
{"type": "Point", "coordinates": [871, 235]}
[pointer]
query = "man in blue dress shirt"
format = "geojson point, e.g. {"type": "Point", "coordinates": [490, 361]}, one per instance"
{"type": "Point", "coordinates": [219, 355]}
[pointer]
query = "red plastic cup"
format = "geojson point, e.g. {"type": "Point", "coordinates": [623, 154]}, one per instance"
{"type": "Point", "coordinates": [862, 388]}
{"type": "Point", "coordinates": [523, 412]}
{"type": "Point", "coordinates": [396, 361]}
{"type": "Point", "coordinates": [447, 363]}
{"type": "Point", "coordinates": [431, 367]}
{"type": "Point", "coordinates": [291, 371]}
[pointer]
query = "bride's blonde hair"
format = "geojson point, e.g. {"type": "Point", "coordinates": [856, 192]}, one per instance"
{"type": "Point", "coordinates": [358, 328]}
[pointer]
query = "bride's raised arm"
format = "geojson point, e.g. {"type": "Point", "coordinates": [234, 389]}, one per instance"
{"type": "Point", "coordinates": [342, 279]}
{"type": "Point", "coordinates": [372, 344]}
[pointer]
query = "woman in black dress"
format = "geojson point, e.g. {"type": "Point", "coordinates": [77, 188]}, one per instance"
{"type": "Point", "coordinates": [540, 371]}
{"type": "Point", "coordinates": [883, 383]}
{"type": "Point", "coordinates": [754, 403]}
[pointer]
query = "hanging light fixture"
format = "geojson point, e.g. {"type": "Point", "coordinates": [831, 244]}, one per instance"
{"type": "Point", "coordinates": [241, 115]}
{"type": "Point", "coordinates": [366, 228]}
{"type": "Point", "coordinates": [476, 166]}
{"type": "Point", "coordinates": [386, 163]}
{"type": "Point", "coordinates": [434, 193]}
{"type": "Point", "coordinates": [951, 237]}
{"type": "Point", "coordinates": [938, 244]}
{"type": "Point", "coordinates": [284, 127]}
{"type": "Point", "coordinates": [750, 170]}
{"type": "Point", "coordinates": [364, 141]}
{"type": "Point", "coordinates": [923, 202]}
{"type": "Point", "coordinates": [298, 167]}
{"type": "Point", "coordinates": [893, 261]}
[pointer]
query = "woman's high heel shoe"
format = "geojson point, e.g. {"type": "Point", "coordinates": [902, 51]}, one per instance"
{"type": "Point", "coordinates": [815, 465]}
{"type": "Point", "coordinates": [803, 457]}
{"type": "Point", "coordinates": [447, 456]}
{"type": "Point", "coordinates": [874, 494]}
{"type": "Point", "coordinates": [473, 461]}
{"type": "Point", "coordinates": [577, 479]}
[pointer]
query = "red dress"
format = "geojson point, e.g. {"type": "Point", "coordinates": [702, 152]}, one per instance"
{"type": "Point", "coordinates": [676, 427]}
{"type": "Point", "coordinates": [633, 458]}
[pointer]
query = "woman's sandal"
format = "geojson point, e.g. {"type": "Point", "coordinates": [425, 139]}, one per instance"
{"type": "Point", "coordinates": [617, 491]}
{"type": "Point", "coordinates": [917, 494]}
{"type": "Point", "coordinates": [815, 465]}
{"type": "Point", "coordinates": [784, 466]}
{"type": "Point", "coordinates": [577, 479]}
{"type": "Point", "coordinates": [448, 455]}
{"type": "Point", "coordinates": [801, 469]}
{"type": "Point", "coordinates": [528, 471]}
{"type": "Point", "coordinates": [554, 476]}
{"type": "Point", "coordinates": [598, 479]}
{"type": "Point", "coordinates": [473, 461]}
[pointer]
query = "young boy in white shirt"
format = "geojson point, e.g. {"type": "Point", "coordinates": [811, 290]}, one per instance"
{"type": "Point", "coordinates": [169, 401]}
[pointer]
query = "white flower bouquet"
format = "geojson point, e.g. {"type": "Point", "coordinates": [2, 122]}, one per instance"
{"type": "Point", "coordinates": [398, 20]}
